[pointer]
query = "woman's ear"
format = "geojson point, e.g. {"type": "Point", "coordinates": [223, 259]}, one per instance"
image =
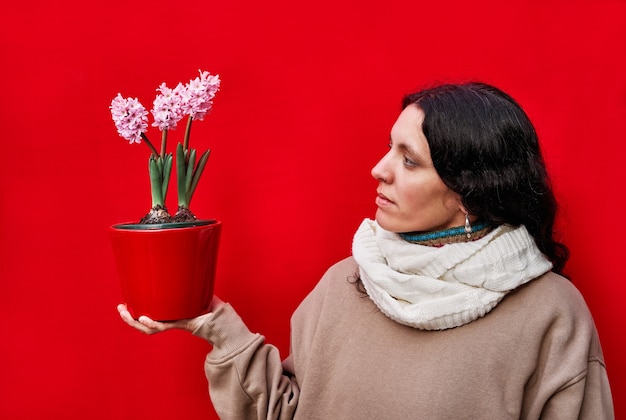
{"type": "Point", "coordinates": [465, 212]}
{"type": "Point", "coordinates": [461, 206]}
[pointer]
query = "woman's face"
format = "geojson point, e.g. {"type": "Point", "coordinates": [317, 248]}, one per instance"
{"type": "Point", "coordinates": [411, 195]}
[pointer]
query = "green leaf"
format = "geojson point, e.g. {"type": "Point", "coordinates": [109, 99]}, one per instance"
{"type": "Point", "coordinates": [155, 182]}
{"type": "Point", "coordinates": [159, 162]}
{"type": "Point", "coordinates": [191, 163]}
{"type": "Point", "coordinates": [181, 170]}
{"type": "Point", "coordinates": [198, 173]}
{"type": "Point", "coordinates": [167, 170]}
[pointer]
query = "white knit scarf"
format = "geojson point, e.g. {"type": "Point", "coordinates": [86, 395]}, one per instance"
{"type": "Point", "coordinates": [434, 288]}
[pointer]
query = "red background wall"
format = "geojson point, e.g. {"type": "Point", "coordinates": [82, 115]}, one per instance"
{"type": "Point", "coordinates": [310, 91]}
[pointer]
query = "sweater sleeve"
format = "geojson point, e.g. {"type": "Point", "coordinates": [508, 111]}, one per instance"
{"type": "Point", "coordinates": [569, 380]}
{"type": "Point", "coordinates": [246, 377]}
{"type": "Point", "coordinates": [588, 395]}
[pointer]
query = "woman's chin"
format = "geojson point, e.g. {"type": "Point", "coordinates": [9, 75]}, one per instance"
{"type": "Point", "coordinates": [387, 224]}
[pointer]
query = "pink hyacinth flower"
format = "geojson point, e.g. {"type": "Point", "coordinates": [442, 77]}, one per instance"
{"type": "Point", "coordinates": [167, 107]}
{"type": "Point", "coordinates": [130, 118]}
{"type": "Point", "coordinates": [199, 93]}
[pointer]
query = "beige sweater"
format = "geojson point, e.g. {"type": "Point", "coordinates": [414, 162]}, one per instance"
{"type": "Point", "coordinates": [536, 355]}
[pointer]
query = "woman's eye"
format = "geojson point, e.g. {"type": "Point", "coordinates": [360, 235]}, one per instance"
{"type": "Point", "coordinates": [409, 162]}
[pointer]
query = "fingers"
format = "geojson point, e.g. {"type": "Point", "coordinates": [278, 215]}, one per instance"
{"type": "Point", "coordinates": [143, 324]}
{"type": "Point", "coordinates": [126, 316]}
{"type": "Point", "coordinates": [149, 326]}
{"type": "Point", "coordinates": [155, 326]}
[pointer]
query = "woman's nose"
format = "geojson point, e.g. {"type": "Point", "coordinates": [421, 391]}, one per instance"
{"type": "Point", "coordinates": [380, 172]}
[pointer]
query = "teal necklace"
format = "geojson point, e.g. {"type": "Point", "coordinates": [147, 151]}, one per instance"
{"type": "Point", "coordinates": [418, 237]}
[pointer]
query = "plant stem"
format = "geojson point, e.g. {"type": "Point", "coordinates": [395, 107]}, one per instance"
{"type": "Point", "coordinates": [187, 134]}
{"type": "Point", "coordinates": [163, 142]}
{"type": "Point", "coordinates": [145, 139]}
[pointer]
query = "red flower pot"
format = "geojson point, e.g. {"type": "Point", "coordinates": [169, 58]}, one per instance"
{"type": "Point", "coordinates": [167, 271]}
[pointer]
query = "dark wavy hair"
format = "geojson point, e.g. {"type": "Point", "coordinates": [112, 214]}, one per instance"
{"type": "Point", "coordinates": [485, 148]}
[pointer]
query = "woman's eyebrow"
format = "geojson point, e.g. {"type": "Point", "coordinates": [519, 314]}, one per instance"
{"type": "Point", "coordinates": [406, 148]}
{"type": "Point", "coordinates": [412, 152]}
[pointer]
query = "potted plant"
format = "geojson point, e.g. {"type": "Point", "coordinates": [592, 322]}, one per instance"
{"type": "Point", "coordinates": [166, 263]}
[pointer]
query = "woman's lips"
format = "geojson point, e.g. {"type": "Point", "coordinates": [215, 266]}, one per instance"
{"type": "Point", "coordinates": [383, 201]}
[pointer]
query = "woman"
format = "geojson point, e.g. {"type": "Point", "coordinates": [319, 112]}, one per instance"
{"type": "Point", "coordinates": [452, 305]}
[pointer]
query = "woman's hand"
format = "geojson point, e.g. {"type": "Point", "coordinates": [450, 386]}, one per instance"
{"type": "Point", "coordinates": [150, 326]}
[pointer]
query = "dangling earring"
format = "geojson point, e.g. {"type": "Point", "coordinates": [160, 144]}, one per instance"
{"type": "Point", "coordinates": [468, 226]}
